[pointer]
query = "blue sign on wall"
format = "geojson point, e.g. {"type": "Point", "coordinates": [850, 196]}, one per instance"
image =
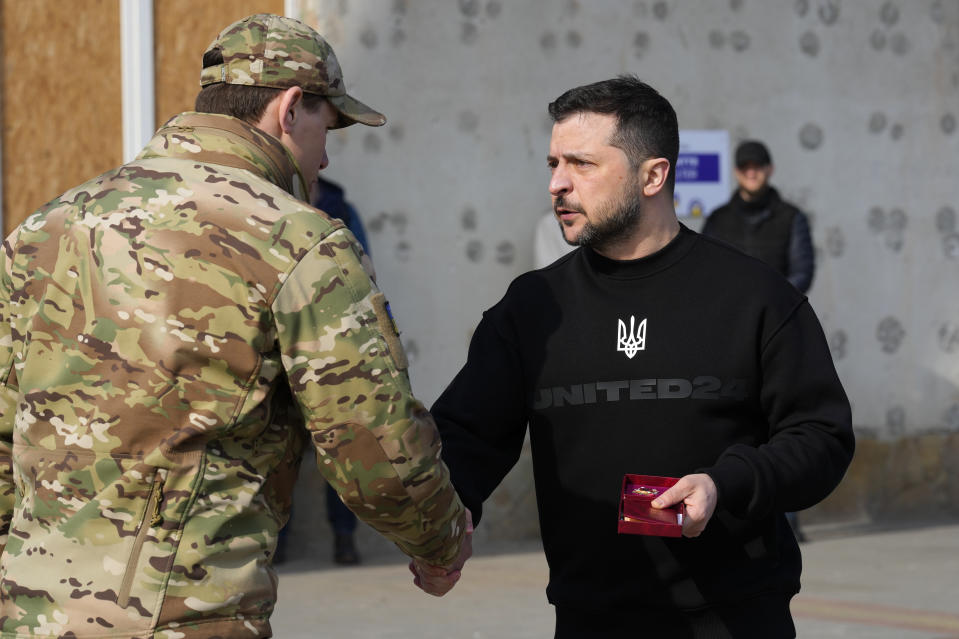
{"type": "Point", "coordinates": [697, 167]}
{"type": "Point", "coordinates": [702, 172]}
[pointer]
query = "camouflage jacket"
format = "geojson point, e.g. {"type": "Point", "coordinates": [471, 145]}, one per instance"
{"type": "Point", "coordinates": [167, 331]}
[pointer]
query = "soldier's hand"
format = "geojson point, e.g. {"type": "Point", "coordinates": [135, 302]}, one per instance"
{"type": "Point", "coordinates": [439, 580]}
{"type": "Point", "coordinates": [699, 494]}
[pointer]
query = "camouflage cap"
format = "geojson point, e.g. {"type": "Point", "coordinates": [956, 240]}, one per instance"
{"type": "Point", "coordinates": [267, 50]}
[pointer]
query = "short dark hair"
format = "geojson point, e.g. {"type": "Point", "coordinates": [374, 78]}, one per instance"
{"type": "Point", "coordinates": [247, 103]}
{"type": "Point", "coordinates": [646, 127]}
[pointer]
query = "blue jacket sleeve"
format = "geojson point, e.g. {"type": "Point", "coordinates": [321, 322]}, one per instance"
{"type": "Point", "coordinates": [802, 257]}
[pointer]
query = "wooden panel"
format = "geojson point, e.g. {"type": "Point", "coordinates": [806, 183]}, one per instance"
{"type": "Point", "coordinates": [61, 98]}
{"type": "Point", "coordinates": [182, 30]}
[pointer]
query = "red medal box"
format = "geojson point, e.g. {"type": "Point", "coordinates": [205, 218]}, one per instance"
{"type": "Point", "coordinates": [638, 517]}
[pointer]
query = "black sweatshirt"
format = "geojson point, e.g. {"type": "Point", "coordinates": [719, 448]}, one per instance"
{"type": "Point", "coordinates": [730, 375]}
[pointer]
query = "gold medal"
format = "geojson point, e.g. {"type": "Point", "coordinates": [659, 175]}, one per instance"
{"type": "Point", "coordinates": [645, 490]}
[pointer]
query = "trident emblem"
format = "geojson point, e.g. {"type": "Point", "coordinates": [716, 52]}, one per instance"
{"type": "Point", "coordinates": [633, 340]}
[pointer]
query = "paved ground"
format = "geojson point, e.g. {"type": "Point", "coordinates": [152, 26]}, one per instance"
{"type": "Point", "coordinates": [867, 584]}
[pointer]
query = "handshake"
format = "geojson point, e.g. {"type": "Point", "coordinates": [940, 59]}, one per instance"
{"type": "Point", "coordinates": [439, 580]}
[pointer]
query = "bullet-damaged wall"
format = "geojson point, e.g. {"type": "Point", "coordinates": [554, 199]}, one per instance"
{"type": "Point", "coordinates": [858, 102]}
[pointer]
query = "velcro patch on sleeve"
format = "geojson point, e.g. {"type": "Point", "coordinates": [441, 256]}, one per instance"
{"type": "Point", "coordinates": [387, 326]}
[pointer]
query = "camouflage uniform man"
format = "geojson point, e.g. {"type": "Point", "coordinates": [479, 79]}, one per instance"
{"type": "Point", "coordinates": [167, 330]}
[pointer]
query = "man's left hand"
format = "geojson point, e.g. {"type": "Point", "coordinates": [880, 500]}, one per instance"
{"type": "Point", "coordinates": [699, 494]}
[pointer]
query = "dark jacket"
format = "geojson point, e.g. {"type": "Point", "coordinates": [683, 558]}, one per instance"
{"type": "Point", "coordinates": [769, 229]}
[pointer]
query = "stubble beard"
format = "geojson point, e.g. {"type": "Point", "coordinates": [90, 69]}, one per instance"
{"type": "Point", "coordinates": [615, 220]}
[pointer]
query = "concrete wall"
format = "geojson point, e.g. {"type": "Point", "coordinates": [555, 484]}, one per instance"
{"type": "Point", "coordinates": [858, 102]}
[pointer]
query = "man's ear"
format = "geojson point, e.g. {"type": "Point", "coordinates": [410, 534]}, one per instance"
{"type": "Point", "coordinates": [653, 173]}
{"type": "Point", "coordinates": [289, 108]}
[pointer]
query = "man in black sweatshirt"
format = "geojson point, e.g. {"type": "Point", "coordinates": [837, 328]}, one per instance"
{"type": "Point", "coordinates": [651, 350]}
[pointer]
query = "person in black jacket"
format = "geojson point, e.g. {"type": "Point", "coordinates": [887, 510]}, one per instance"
{"type": "Point", "coordinates": [757, 221]}
{"type": "Point", "coordinates": [652, 350]}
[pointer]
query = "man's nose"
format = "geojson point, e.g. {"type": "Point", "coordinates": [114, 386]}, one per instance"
{"type": "Point", "coordinates": [559, 183]}
{"type": "Point", "coordinates": [326, 160]}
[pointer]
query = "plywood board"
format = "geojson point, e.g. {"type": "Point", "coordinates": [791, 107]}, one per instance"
{"type": "Point", "coordinates": [182, 31]}
{"type": "Point", "coordinates": [61, 98]}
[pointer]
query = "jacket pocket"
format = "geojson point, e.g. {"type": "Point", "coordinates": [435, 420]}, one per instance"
{"type": "Point", "coordinates": [95, 535]}
{"type": "Point", "coordinates": [151, 517]}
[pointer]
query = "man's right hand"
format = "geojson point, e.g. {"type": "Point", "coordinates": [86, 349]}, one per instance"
{"type": "Point", "coordinates": [698, 493]}
{"type": "Point", "coordinates": [439, 580]}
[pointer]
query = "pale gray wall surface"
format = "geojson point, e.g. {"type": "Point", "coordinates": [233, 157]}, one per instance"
{"type": "Point", "coordinates": [857, 100]}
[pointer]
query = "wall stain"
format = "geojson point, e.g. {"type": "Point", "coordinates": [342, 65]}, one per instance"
{"type": "Point", "coordinates": [716, 38]}
{"type": "Point", "coordinates": [468, 219]}
{"type": "Point", "coordinates": [950, 246]}
{"type": "Point", "coordinates": [890, 226]}
{"type": "Point", "coordinates": [811, 136]}
{"type": "Point", "coordinates": [889, 14]}
{"type": "Point", "coordinates": [899, 43]}
{"type": "Point", "coordinates": [809, 44]}
{"type": "Point", "coordinates": [835, 241]}
{"type": "Point", "coordinates": [660, 10]}
{"type": "Point", "coordinates": [739, 41]}
{"type": "Point", "coordinates": [470, 8]}
{"type": "Point", "coordinates": [573, 39]}
{"type": "Point", "coordinates": [547, 41]}
{"type": "Point", "coordinates": [403, 251]}
{"type": "Point", "coordinates": [937, 11]}
{"type": "Point", "coordinates": [876, 219]}
{"type": "Point", "coordinates": [828, 11]}
{"type": "Point", "coordinates": [878, 40]}
{"type": "Point", "coordinates": [368, 38]}
{"type": "Point", "coordinates": [949, 337]}
{"type": "Point", "coordinates": [412, 349]}
{"type": "Point", "coordinates": [469, 33]}
{"type": "Point", "coordinates": [376, 223]}
{"type": "Point", "coordinates": [877, 122]}
{"type": "Point", "coordinates": [801, 7]}
{"type": "Point", "coordinates": [837, 344]}
{"type": "Point", "coordinates": [946, 225]}
{"type": "Point", "coordinates": [474, 250]}
{"type": "Point", "coordinates": [640, 43]}
{"type": "Point", "coordinates": [372, 143]}
{"type": "Point", "coordinates": [505, 252]}
{"type": "Point", "coordinates": [946, 220]}
{"type": "Point", "coordinates": [890, 334]}
{"type": "Point", "coordinates": [400, 221]}
{"type": "Point", "coordinates": [896, 220]}
{"type": "Point", "coordinates": [947, 123]}
{"type": "Point", "coordinates": [467, 121]}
